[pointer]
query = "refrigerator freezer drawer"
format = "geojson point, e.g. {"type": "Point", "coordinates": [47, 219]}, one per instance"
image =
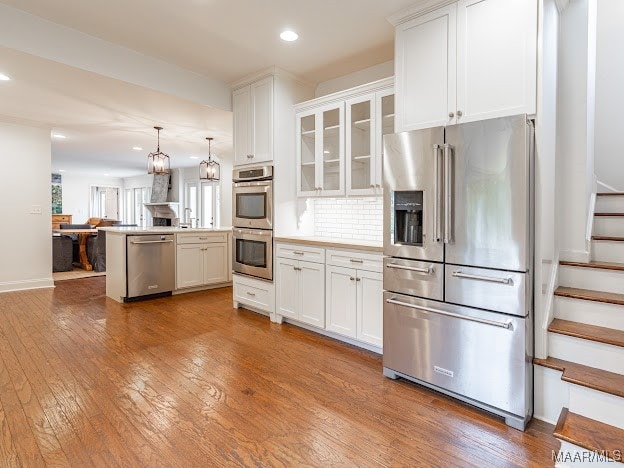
{"type": "Point", "coordinates": [423, 279]}
{"type": "Point", "coordinates": [476, 354]}
{"type": "Point", "coordinates": [500, 291]}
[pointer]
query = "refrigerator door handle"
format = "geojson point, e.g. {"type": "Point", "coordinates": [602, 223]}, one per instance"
{"type": "Point", "coordinates": [506, 325]}
{"type": "Point", "coordinates": [489, 279]}
{"type": "Point", "coordinates": [437, 205]}
{"type": "Point", "coordinates": [448, 193]}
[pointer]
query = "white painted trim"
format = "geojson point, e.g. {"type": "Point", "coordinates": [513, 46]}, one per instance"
{"type": "Point", "coordinates": [379, 85]}
{"type": "Point", "coordinates": [562, 4]}
{"type": "Point", "coordinates": [421, 8]}
{"type": "Point", "coordinates": [541, 334]}
{"type": "Point", "coordinates": [608, 187]}
{"type": "Point", "coordinates": [575, 255]}
{"type": "Point", "coordinates": [265, 73]}
{"type": "Point", "coordinates": [9, 286]}
{"type": "Point", "coordinates": [590, 220]}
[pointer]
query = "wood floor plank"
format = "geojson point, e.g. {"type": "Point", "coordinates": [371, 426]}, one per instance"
{"type": "Point", "coordinates": [188, 381]}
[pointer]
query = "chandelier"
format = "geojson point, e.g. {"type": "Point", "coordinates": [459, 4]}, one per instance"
{"type": "Point", "coordinates": [209, 170]}
{"type": "Point", "coordinates": [158, 162]}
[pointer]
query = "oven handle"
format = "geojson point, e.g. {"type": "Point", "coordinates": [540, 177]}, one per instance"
{"type": "Point", "coordinates": [259, 183]}
{"type": "Point", "coordinates": [255, 233]}
{"type": "Point", "coordinates": [506, 325]}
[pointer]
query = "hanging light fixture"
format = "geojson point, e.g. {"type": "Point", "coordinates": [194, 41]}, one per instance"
{"type": "Point", "coordinates": [158, 162]}
{"type": "Point", "coordinates": [209, 170]}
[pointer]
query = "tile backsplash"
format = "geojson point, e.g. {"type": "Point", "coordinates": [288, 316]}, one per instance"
{"type": "Point", "coordinates": [349, 218]}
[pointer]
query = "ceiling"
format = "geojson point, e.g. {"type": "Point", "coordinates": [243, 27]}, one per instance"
{"type": "Point", "coordinates": [228, 39]}
{"type": "Point", "coordinates": [103, 118]}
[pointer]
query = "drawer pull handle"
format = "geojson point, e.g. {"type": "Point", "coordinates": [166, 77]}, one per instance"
{"type": "Point", "coordinates": [251, 294]}
{"type": "Point", "coordinates": [427, 270]}
{"type": "Point", "coordinates": [203, 238]}
{"type": "Point", "coordinates": [353, 260]}
{"type": "Point", "coordinates": [297, 268]}
{"type": "Point", "coordinates": [299, 253]}
{"type": "Point", "coordinates": [358, 279]}
{"type": "Point", "coordinates": [506, 325]}
{"type": "Point", "coordinates": [489, 279]}
{"type": "Point", "coordinates": [352, 278]}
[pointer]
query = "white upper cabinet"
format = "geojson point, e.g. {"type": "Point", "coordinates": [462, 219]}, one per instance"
{"type": "Point", "coordinates": [471, 60]}
{"type": "Point", "coordinates": [497, 58]}
{"type": "Point", "coordinates": [252, 106]}
{"type": "Point", "coordinates": [426, 70]}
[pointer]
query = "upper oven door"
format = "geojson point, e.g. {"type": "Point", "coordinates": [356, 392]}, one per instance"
{"type": "Point", "coordinates": [253, 204]}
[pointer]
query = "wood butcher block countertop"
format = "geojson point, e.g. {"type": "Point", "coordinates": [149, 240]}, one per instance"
{"type": "Point", "coordinates": [369, 246]}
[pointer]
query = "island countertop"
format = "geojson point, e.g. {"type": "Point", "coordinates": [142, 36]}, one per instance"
{"type": "Point", "coordinates": [131, 230]}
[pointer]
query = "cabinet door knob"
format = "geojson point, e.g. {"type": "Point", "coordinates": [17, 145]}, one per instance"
{"type": "Point", "coordinates": [459, 113]}
{"type": "Point", "coordinates": [352, 278]}
{"type": "Point", "coordinates": [451, 115]}
{"type": "Point", "coordinates": [358, 279]}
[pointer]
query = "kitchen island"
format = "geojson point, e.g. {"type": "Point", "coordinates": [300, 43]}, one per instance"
{"type": "Point", "coordinates": [181, 259]}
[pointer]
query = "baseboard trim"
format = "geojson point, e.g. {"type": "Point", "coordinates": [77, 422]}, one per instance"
{"type": "Point", "coordinates": [40, 283]}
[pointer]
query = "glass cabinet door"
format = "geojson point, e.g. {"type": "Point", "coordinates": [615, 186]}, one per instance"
{"type": "Point", "coordinates": [307, 154]}
{"type": "Point", "coordinates": [361, 146]}
{"type": "Point", "coordinates": [385, 124]}
{"type": "Point", "coordinates": [332, 134]}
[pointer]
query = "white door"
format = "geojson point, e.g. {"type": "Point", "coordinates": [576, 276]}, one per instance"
{"type": "Point", "coordinates": [341, 296]}
{"type": "Point", "coordinates": [370, 307]}
{"type": "Point", "coordinates": [497, 58]}
{"type": "Point", "coordinates": [426, 70]}
{"type": "Point", "coordinates": [360, 146]}
{"type": "Point", "coordinates": [241, 107]}
{"type": "Point", "coordinates": [287, 287]}
{"type": "Point", "coordinates": [111, 209]}
{"type": "Point", "coordinates": [262, 120]}
{"type": "Point", "coordinates": [330, 152]}
{"type": "Point", "coordinates": [189, 265]}
{"type": "Point", "coordinates": [215, 263]}
{"type": "Point", "coordinates": [312, 293]}
{"type": "Point", "coordinates": [307, 140]}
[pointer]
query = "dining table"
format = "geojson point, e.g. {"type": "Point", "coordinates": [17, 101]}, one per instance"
{"type": "Point", "coordinates": [83, 235]}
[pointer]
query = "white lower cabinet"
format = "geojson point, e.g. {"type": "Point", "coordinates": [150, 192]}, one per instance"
{"type": "Point", "coordinates": [201, 261]}
{"type": "Point", "coordinates": [300, 290]}
{"type": "Point", "coordinates": [343, 300]}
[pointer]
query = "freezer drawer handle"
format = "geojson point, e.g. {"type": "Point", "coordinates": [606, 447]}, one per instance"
{"type": "Point", "coordinates": [506, 325]}
{"type": "Point", "coordinates": [427, 270]}
{"type": "Point", "coordinates": [153, 242]}
{"type": "Point", "coordinates": [489, 279]}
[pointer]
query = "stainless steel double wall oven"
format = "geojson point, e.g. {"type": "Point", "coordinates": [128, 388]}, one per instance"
{"type": "Point", "coordinates": [252, 218]}
{"type": "Point", "coordinates": [458, 300]}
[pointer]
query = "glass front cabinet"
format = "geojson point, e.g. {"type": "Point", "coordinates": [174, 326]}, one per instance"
{"type": "Point", "coordinates": [340, 143]}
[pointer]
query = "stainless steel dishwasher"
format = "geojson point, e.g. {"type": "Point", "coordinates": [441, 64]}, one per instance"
{"type": "Point", "coordinates": [150, 263]}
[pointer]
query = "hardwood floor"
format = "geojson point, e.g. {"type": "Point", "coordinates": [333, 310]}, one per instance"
{"type": "Point", "coordinates": [188, 381]}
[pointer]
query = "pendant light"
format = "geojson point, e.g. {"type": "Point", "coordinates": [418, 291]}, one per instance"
{"type": "Point", "coordinates": [158, 162]}
{"type": "Point", "coordinates": [209, 170]}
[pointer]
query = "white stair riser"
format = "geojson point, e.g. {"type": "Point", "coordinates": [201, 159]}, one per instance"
{"type": "Point", "coordinates": [572, 456]}
{"type": "Point", "coordinates": [609, 226]}
{"type": "Point", "coordinates": [588, 353]}
{"type": "Point", "coordinates": [551, 394]}
{"type": "Point", "coordinates": [590, 312]}
{"type": "Point", "coordinates": [599, 406]}
{"type": "Point", "coordinates": [610, 204]}
{"type": "Point", "coordinates": [608, 251]}
{"type": "Point", "coordinates": [592, 278]}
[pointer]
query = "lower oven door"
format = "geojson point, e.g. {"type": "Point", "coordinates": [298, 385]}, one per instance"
{"type": "Point", "coordinates": [479, 355]}
{"type": "Point", "coordinates": [252, 252]}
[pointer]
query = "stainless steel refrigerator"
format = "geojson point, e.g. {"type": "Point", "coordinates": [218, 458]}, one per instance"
{"type": "Point", "coordinates": [458, 246]}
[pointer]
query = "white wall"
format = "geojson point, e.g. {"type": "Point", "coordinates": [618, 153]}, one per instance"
{"type": "Point", "coordinates": [26, 241]}
{"type": "Point", "coordinates": [77, 193]}
{"type": "Point", "coordinates": [609, 93]}
{"type": "Point", "coordinates": [367, 75]}
{"type": "Point", "coordinates": [575, 158]}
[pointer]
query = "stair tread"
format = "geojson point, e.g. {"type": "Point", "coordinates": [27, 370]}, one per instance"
{"type": "Point", "coordinates": [595, 264]}
{"type": "Point", "coordinates": [587, 332]}
{"type": "Point", "coordinates": [590, 295]}
{"type": "Point", "coordinates": [608, 238]}
{"type": "Point", "coordinates": [590, 377]}
{"type": "Point", "coordinates": [588, 433]}
{"type": "Point", "coordinates": [609, 214]}
{"type": "Point", "coordinates": [610, 194]}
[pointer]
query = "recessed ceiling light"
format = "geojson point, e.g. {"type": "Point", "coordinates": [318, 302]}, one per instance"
{"type": "Point", "coordinates": [58, 136]}
{"type": "Point", "coordinates": [289, 36]}
{"type": "Point", "coordinates": [137, 148]}
{"type": "Point", "coordinates": [3, 77]}
{"type": "Point", "coordinates": [106, 175]}
{"type": "Point", "coordinates": [194, 157]}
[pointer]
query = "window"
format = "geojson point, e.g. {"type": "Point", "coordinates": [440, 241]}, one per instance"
{"type": "Point", "coordinates": [201, 202]}
{"type": "Point", "coordinates": [105, 202]}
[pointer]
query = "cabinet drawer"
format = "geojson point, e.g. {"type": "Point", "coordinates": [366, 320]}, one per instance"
{"type": "Point", "coordinates": [422, 279]}
{"type": "Point", "coordinates": [501, 291]}
{"type": "Point", "coordinates": [254, 293]}
{"type": "Point", "coordinates": [301, 252]}
{"type": "Point", "coordinates": [208, 238]}
{"type": "Point", "coordinates": [355, 259]}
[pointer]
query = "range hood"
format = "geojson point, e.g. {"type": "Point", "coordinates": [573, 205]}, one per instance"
{"type": "Point", "coordinates": [163, 209]}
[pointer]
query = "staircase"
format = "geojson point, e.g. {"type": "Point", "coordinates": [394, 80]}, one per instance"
{"type": "Point", "coordinates": [583, 377]}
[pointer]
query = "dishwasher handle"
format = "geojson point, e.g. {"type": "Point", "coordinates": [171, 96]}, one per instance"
{"type": "Point", "coordinates": [152, 242]}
